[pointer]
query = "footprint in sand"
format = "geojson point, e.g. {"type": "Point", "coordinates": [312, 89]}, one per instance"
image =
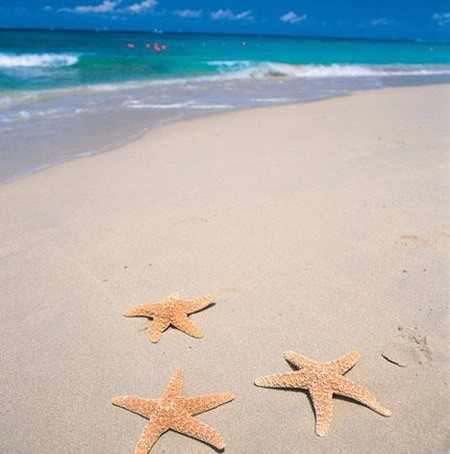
{"type": "Point", "coordinates": [421, 241]}
{"type": "Point", "coordinates": [413, 241]}
{"type": "Point", "coordinates": [409, 347]}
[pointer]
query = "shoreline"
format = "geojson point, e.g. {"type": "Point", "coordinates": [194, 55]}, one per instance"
{"type": "Point", "coordinates": [150, 130]}
{"type": "Point", "coordinates": [139, 135]}
{"type": "Point", "coordinates": [321, 228]}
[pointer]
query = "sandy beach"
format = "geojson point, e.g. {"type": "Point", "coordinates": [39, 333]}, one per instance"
{"type": "Point", "coordinates": [321, 228]}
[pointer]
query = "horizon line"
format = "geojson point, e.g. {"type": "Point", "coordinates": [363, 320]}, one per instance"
{"type": "Point", "coordinates": [262, 35]}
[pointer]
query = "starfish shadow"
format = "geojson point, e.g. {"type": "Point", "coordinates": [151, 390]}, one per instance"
{"type": "Point", "coordinates": [212, 303]}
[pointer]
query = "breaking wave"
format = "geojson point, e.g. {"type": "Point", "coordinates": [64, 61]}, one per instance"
{"type": "Point", "coordinates": [229, 71]}
{"type": "Point", "coordinates": [37, 60]}
{"type": "Point", "coordinates": [236, 69]}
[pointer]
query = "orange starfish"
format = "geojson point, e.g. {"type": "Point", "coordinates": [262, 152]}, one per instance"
{"type": "Point", "coordinates": [174, 411]}
{"type": "Point", "coordinates": [171, 311]}
{"type": "Point", "coordinates": [322, 380]}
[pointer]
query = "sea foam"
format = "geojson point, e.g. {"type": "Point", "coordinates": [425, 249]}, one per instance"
{"type": "Point", "coordinates": [37, 60]}
{"type": "Point", "coordinates": [266, 70]}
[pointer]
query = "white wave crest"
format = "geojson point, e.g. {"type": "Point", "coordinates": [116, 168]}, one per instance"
{"type": "Point", "coordinates": [37, 60]}
{"type": "Point", "coordinates": [253, 70]}
{"type": "Point", "coordinates": [19, 116]}
{"type": "Point", "coordinates": [281, 100]}
{"type": "Point", "coordinates": [230, 64]}
{"type": "Point", "coordinates": [24, 115]}
{"type": "Point", "coordinates": [133, 104]}
{"type": "Point", "coordinates": [139, 105]}
{"type": "Point", "coordinates": [237, 69]}
{"type": "Point", "coordinates": [367, 71]}
{"type": "Point", "coordinates": [266, 70]}
{"type": "Point", "coordinates": [212, 106]}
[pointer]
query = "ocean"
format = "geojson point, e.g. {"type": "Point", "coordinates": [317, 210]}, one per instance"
{"type": "Point", "coordinates": [69, 94]}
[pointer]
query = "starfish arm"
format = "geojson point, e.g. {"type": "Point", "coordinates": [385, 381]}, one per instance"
{"type": "Point", "coordinates": [142, 310]}
{"type": "Point", "coordinates": [142, 407]}
{"type": "Point", "coordinates": [196, 429]}
{"type": "Point", "coordinates": [199, 404]}
{"type": "Point", "coordinates": [299, 360]}
{"type": "Point", "coordinates": [183, 323]}
{"type": "Point", "coordinates": [158, 326]}
{"type": "Point", "coordinates": [149, 437]}
{"type": "Point", "coordinates": [323, 408]}
{"type": "Point", "coordinates": [173, 389]}
{"type": "Point", "coordinates": [196, 305]}
{"type": "Point", "coordinates": [344, 363]}
{"type": "Point", "coordinates": [344, 387]}
{"type": "Point", "coordinates": [287, 380]}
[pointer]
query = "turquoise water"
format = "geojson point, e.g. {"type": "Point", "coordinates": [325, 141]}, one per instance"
{"type": "Point", "coordinates": [39, 60]}
{"type": "Point", "coordinates": [69, 94]}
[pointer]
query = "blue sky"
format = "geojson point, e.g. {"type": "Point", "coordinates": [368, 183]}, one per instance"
{"type": "Point", "coordinates": [392, 19]}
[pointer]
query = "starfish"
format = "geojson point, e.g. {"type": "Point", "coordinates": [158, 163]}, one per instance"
{"type": "Point", "coordinates": [171, 311]}
{"type": "Point", "coordinates": [322, 380]}
{"type": "Point", "coordinates": [176, 412]}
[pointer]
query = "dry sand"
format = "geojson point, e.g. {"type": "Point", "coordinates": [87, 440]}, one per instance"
{"type": "Point", "coordinates": [321, 227]}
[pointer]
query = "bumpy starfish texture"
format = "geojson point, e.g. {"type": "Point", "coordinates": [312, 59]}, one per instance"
{"type": "Point", "coordinates": [176, 412]}
{"type": "Point", "coordinates": [171, 311]}
{"type": "Point", "coordinates": [322, 380]}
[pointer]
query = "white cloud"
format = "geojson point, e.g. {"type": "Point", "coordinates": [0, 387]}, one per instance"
{"type": "Point", "coordinates": [441, 18]}
{"type": "Point", "coordinates": [188, 12]}
{"type": "Point", "coordinates": [106, 7]}
{"type": "Point", "coordinates": [109, 6]}
{"type": "Point", "coordinates": [228, 14]}
{"type": "Point", "coordinates": [292, 18]}
{"type": "Point", "coordinates": [142, 6]}
{"type": "Point", "coordinates": [380, 21]}
{"type": "Point", "coordinates": [47, 8]}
